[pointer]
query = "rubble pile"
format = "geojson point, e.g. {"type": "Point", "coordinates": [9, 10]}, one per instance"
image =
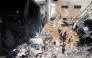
{"type": "Point", "coordinates": [49, 44]}
{"type": "Point", "coordinates": [15, 41]}
{"type": "Point", "coordinates": [49, 47]}
{"type": "Point", "coordinates": [22, 50]}
{"type": "Point", "coordinates": [46, 47]}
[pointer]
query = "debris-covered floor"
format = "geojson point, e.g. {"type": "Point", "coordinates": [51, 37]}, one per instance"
{"type": "Point", "coordinates": [54, 41]}
{"type": "Point", "coordinates": [49, 45]}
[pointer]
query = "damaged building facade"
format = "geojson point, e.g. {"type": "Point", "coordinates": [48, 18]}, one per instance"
{"type": "Point", "coordinates": [72, 12]}
{"type": "Point", "coordinates": [19, 21]}
{"type": "Point", "coordinates": [42, 4]}
{"type": "Point", "coordinates": [66, 9]}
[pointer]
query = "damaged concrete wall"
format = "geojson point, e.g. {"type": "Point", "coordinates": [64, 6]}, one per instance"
{"type": "Point", "coordinates": [23, 21]}
{"type": "Point", "coordinates": [71, 11]}
{"type": "Point", "coordinates": [65, 8]}
{"type": "Point", "coordinates": [43, 11]}
{"type": "Point", "coordinates": [42, 8]}
{"type": "Point", "coordinates": [53, 9]}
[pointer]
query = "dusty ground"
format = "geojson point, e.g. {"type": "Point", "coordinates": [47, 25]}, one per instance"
{"type": "Point", "coordinates": [53, 30]}
{"type": "Point", "coordinates": [70, 47]}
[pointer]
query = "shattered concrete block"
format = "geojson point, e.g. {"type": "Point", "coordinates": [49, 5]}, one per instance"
{"type": "Point", "coordinates": [23, 50]}
{"type": "Point", "coordinates": [37, 40]}
{"type": "Point", "coordinates": [53, 56]}
{"type": "Point", "coordinates": [21, 54]}
{"type": "Point", "coordinates": [54, 25]}
{"type": "Point", "coordinates": [36, 51]}
{"type": "Point", "coordinates": [31, 53]}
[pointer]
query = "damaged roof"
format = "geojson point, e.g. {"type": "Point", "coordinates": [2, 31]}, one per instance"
{"type": "Point", "coordinates": [10, 6]}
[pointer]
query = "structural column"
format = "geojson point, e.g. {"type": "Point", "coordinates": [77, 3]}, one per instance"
{"type": "Point", "coordinates": [47, 9]}
{"type": "Point", "coordinates": [49, 12]}
{"type": "Point", "coordinates": [26, 8]}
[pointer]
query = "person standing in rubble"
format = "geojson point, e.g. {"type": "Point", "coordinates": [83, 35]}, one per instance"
{"type": "Point", "coordinates": [61, 36]}
{"type": "Point", "coordinates": [60, 33]}
{"type": "Point", "coordinates": [63, 48]}
{"type": "Point", "coordinates": [64, 36]}
{"type": "Point", "coordinates": [64, 39]}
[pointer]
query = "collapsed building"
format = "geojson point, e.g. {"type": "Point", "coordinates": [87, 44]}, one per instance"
{"type": "Point", "coordinates": [23, 33]}
{"type": "Point", "coordinates": [19, 21]}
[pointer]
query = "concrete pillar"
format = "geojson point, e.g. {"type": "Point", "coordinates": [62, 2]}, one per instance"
{"type": "Point", "coordinates": [39, 18]}
{"type": "Point", "coordinates": [49, 10]}
{"type": "Point", "coordinates": [39, 14]}
{"type": "Point", "coordinates": [25, 17]}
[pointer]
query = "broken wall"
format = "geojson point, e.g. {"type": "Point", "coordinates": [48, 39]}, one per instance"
{"type": "Point", "coordinates": [43, 11]}
{"type": "Point", "coordinates": [20, 29]}
{"type": "Point", "coordinates": [70, 10]}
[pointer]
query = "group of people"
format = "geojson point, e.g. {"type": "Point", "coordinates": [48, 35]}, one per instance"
{"type": "Point", "coordinates": [62, 38]}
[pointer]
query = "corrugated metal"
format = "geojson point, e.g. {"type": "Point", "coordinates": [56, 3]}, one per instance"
{"type": "Point", "coordinates": [9, 39]}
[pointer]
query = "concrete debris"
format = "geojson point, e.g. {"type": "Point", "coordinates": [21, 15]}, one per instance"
{"type": "Point", "coordinates": [49, 45]}
{"type": "Point", "coordinates": [46, 47]}
{"type": "Point", "coordinates": [45, 34]}
{"type": "Point", "coordinates": [35, 51]}
{"type": "Point", "coordinates": [37, 41]}
{"type": "Point", "coordinates": [58, 42]}
{"type": "Point", "coordinates": [20, 54]}
{"type": "Point", "coordinates": [31, 54]}
{"type": "Point", "coordinates": [86, 26]}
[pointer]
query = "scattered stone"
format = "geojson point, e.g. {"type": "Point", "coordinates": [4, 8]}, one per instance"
{"type": "Point", "coordinates": [21, 54]}
{"type": "Point", "coordinates": [38, 41]}
{"type": "Point", "coordinates": [32, 54]}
